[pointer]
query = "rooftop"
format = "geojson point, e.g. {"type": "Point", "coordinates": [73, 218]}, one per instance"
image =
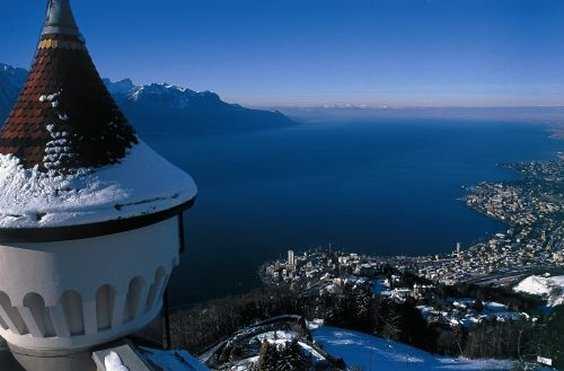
{"type": "Point", "coordinates": [68, 156]}
{"type": "Point", "coordinates": [65, 118]}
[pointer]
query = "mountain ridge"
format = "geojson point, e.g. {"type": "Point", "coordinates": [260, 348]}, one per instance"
{"type": "Point", "coordinates": [11, 82]}
{"type": "Point", "coordinates": [162, 107]}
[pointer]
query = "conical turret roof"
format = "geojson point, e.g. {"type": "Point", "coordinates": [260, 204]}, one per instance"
{"type": "Point", "coordinates": [71, 165]}
{"type": "Point", "coordinates": [59, 19]}
{"type": "Point", "coordinates": [64, 117]}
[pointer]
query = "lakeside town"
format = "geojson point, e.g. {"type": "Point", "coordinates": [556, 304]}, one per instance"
{"type": "Point", "coordinates": [511, 282]}
{"type": "Point", "coordinates": [499, 300]}
{"type": "Point", "coordinates": [469, 305]}
{"type": "Point", "coordinates": [531, 207]}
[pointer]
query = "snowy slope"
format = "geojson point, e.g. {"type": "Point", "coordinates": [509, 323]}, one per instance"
{"type": "Point", "coordinates": [372, 353]}
{"type": "Point", "coordinates": [550, 288]}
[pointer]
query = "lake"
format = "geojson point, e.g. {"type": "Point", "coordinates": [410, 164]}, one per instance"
{"type": "Point", "coordinates": [384, 188]}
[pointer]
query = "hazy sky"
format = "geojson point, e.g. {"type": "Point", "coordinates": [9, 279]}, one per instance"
{"type": "Point", "coordinates": [310, 52]}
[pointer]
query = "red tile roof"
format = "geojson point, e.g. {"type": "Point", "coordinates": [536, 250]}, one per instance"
{"type": "Point", "coordinates": [64, 117]}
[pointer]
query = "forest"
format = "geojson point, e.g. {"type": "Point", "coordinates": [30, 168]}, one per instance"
{"type": "Point", "coordinates": [357, 308]}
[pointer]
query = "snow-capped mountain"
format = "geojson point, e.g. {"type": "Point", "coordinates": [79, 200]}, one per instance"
{"type": "Point", "coordinates": [162, 107]}
{"type": "Point", "coordinates": [11, 81]}
{"type": "Point", "coordinates": [123, 87]}
{"type": "Point", "coordinates": [165, 95]}
{"type": "Point", "coordinates": [158, 107]}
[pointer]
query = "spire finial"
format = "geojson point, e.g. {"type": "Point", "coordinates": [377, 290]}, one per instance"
{"type": "Point", "coordinates": [59, 19]}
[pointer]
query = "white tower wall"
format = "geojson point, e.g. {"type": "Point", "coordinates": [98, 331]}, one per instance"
{"type": "Point", "coordinates": [76, 294]}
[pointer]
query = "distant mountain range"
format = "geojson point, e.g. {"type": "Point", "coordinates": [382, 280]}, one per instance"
{"type": "Point", "coordinates": [552, 117]}
{"type": "Point", "coordinates": [542, 114]}
{"type": "Point", "coordinates": [159, 108]}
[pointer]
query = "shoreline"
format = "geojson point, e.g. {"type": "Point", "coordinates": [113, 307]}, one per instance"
{"type": "Point", "coordinates": [438, 242]}
{"type": "Point", "coordinates": [508, 268]}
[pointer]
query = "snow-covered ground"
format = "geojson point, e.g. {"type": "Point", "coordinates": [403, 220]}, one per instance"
{"type": "Point", "coordinates": [371, 353]}
{"type": "Point", "coordinates": [550, 288]}
{"type": "Point", "coordinates": [462, 312]}
{"type": "Point", "coordinates": [284, 338]}
{"type": "Point", "coordinates": [143, 183]}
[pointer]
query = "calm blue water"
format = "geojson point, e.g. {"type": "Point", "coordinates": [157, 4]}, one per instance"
{"type": "Point", "coordinates": [382, 188]}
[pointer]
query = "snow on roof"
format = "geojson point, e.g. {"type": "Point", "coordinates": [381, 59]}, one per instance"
{"type": "Point", "coordinates": [142, 183]}
{"type": "Point", "coordinates": [65, 117]}
{"type": "Point", "coordinates": [551, 288]}
{"type": "Point", "coordinates": [68, 156]}
{"type": "Point", "coordinates": [113, 362]}
{"type": "Point", "coordinates": [276, 337]}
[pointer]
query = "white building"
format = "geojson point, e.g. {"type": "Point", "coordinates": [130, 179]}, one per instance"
{"type": "Point", "coordinates": [291, 259]}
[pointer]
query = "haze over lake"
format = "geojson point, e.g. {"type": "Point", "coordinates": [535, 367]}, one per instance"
{"type": "Point", "coordinates": [385, 187]}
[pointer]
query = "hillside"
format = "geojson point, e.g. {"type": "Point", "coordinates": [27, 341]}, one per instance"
{"type": "Point", "coordinates": [327, 348]}
{"type": "Point", "coordinates": [370, 353]}
{"type": "Point", "coordinates": [163, 108]}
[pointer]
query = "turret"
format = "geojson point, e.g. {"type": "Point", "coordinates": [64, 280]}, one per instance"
{"type": "Point", "coordinates": [91, 218]}
{"type": "Point", "coordinates": [59, 19]}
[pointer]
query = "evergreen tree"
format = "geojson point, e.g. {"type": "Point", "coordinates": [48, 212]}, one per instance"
{"type": "Point", "coordinates": [288, 357]}
{"type": "Point", "coordinates": [362, 298]}
{"type": "Point", "coordinates": [235, 354]}
{"type": "Point", "coordinates": [291, 358]}
{"type": "Point", "coordinates": [267, 357]}
{"type": "Point", "coordinates": [392, 323]}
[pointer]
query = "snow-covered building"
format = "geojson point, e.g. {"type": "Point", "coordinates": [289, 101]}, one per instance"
{"type": "Point", "coordinates": [91, 218]}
